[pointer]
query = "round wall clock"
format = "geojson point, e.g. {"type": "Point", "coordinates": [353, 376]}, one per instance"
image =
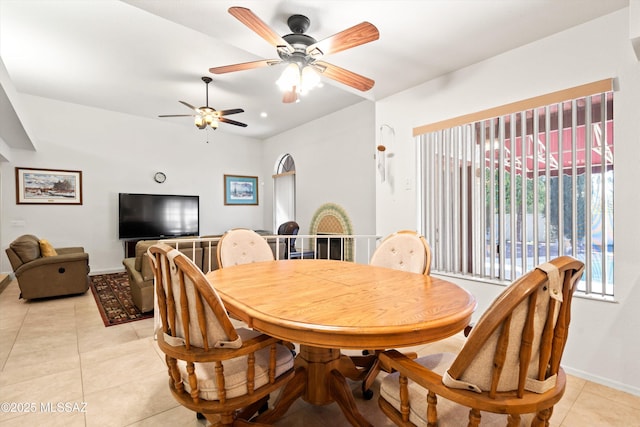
{"type": "Point", "coordinates": [160, 177]}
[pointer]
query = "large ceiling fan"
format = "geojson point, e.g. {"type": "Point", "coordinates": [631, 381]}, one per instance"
{"type": "Point", "coordinates": [207, 115]}
{"type": "Point", "coordinates": [303, 53]}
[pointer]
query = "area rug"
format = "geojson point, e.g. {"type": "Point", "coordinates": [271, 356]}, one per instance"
{"type": "Point", "coordinates": [113, 297]}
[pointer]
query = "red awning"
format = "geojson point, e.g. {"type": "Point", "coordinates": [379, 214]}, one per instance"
{"type": "Point", "coordinates": [556, 152]}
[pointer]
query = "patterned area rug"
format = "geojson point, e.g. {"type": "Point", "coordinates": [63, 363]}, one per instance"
{"type": "Point", "coordinates": [113, 297]}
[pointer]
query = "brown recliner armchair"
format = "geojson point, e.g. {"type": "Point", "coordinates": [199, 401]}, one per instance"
{"type": "Point", "coordinates": [140, 271]}
{"type": "Point", "coordinates": [65, 273]}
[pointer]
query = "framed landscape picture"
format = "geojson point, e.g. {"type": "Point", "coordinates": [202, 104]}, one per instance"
{"type": "Point", "coordinates": [240, 190]}
{"type": "Point", "coordinates": [48, 187]}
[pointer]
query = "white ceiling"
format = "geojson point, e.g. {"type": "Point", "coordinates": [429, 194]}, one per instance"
{"type": "Point", "coordinates": [140, 57]}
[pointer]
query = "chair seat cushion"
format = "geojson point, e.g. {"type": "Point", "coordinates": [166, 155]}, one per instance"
{"type": "Point", "coordinates": [449, 413]}
{"type": "Point", "coordinates": [390, 388]}
{"type": "Point", "coordinates": [402, 252]}
{"type": "Point", "coordinates": [235, 371]}
{"type": "Point", "coordinates": [241, 246]}
{"type": "Point", "coordinates": [479, 372]}
{"type": "Point", "coordinates": [216, 335]}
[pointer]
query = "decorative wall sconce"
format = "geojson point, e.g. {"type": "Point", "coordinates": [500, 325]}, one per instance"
{"type": "Point", "coordinates": [381, 162]}
{"type": "Point", "coordinates": [382, 153]}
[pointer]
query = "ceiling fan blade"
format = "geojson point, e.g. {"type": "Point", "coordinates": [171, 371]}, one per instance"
{"type": "Point", "coordinates": [186, 104]}
{"type": "Point", "coordinates": [251, 20]}
{"type": "Point", "coordinates": [244, 66]}
{"type": "Point", "coordinates": [229, 112]}
{"type": "Point", "coordinates": [290, 96]}
{"type": "Point", "coordinates": [177, 115]}
{"type": "Point", "coordinates": [231, 122]}
{"type": "Point", "coordinates": [362, 33]}
{"type": "Point", "coordinates": [343, 76]}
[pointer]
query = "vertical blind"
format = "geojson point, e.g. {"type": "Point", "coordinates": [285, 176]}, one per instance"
{"type": "Point", "coordinates": [506, 189]}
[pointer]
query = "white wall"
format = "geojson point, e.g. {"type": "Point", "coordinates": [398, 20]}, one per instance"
{"type": "Point", "coordinates": [334, 163]}
{"type": "Point", "coordinates": [120, 153]}
{"type": "Point", "coordinates": [334, 160]}
{"type": "Point", "coordinates": [603, 343]}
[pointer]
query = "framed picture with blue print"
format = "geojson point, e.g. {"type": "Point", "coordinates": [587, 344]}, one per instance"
{"type": "Point", "coordinates": [240, 190]}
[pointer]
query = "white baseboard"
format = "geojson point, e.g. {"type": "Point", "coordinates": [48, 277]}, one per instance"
{"type": "Point", "coordinates": [602, 381]}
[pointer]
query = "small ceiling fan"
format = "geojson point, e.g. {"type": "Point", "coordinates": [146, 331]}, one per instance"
{"type": "Point", "coordinates": [207, 115]}
{"type": "Point", "coordinates": [303, 53]}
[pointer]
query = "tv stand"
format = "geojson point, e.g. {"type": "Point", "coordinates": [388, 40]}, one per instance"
{"type": "Point", "coordinates": [130, 247]}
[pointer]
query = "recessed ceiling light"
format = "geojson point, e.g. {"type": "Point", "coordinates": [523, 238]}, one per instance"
{"type": "Point", "coordinates": [263, 114]}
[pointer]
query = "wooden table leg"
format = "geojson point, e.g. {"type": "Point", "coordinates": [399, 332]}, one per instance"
{"type": "Point", "coordinates": [320, 379]}
{"type": "Point", "coordinates": [341, 393]}
{"type": "Point", "coordinates": [356, 368]}
{"type": "Point", "coordinates": [326, 382]}
{"type": "Point", "coordinates": [290, 392]}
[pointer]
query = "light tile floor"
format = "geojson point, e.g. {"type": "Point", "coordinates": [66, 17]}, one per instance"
{"type": "Point", "coordinates": [57, 357]}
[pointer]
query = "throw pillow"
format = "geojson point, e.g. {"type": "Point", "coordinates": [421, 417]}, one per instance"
{"type": "Point", "coordinates": [46, 249]}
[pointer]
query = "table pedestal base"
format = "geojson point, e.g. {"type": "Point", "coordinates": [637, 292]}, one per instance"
{"type": "Point", "coordinates": [321, 378]}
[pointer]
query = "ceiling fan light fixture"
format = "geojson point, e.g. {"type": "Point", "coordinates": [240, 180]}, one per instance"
{"type": "Point", "coordinates": [300, 50]}
{"type": "Point", "coordinates": [289, 78]}
{"type": "Point", "coordinates": [309, 79]}
{"type": "Point", "coordinates": [200, 122]}
{"type": "Point", "coordinates": [208, 116]}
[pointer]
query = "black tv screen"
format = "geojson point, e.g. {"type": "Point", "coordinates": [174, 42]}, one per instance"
{"type": "Point", "coordinates": [152, 216]}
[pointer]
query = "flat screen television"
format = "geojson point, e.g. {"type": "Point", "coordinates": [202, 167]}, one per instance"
{"type": "Point", "coordinates": [153, 216]}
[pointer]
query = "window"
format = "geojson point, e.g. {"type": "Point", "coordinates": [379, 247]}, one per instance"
{"type": "Point", "coordinates": [506, 189]}
{"type": "Point", "coordinates": [284, 191]}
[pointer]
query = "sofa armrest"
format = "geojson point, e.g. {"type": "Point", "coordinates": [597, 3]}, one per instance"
{"type": "Point", "coordinates": [49, 260]}
{"type": "Point", "coordinates": [129, 264]}
{"type": "Point", "coordinates": [130, 267]}
{"type": "Point", "coordinates": [71, 250]}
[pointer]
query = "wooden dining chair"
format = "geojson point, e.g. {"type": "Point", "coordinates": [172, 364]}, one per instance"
{"type": "Point", "coordinates": [404, 250]}
{"type": "Point", "coordinates": [289, 228]}
{"type": "Point", "coordinates": [243, 246]}
{"type": "Point", "coordinates": [225, 374]}
{"type": "Point", "coordinates": [510, 363]}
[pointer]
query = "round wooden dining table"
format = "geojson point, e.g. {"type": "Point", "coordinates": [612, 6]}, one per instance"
{"type": "Point", "coordinates": [326, 305]}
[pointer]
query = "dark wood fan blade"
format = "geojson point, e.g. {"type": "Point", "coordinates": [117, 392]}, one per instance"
{"type": "Point", "coordinates": [186, 104]}
{"type": "Point", "coordinates": [248, 18]}
{"type": "Point", "coordinates": [231, 122]}
{"type": "Point", "coordinates": [229, 112]}
{"type": "Point", "coordinates": [244, 66]}
{"type": "Point", "coordinates": [177, 115]}
{"type": "Point", "coordinates": [343, 76]}
{"type": "Point", "coordinates": [290, 96]}
{"type": "Point", "coordinates": [362, 33]}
